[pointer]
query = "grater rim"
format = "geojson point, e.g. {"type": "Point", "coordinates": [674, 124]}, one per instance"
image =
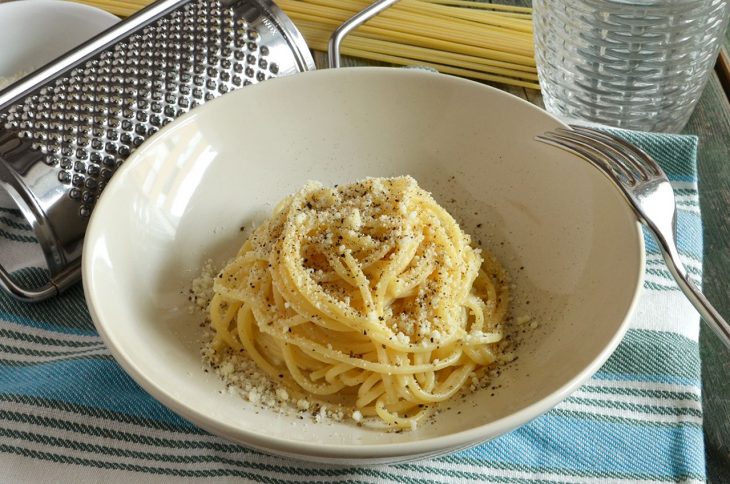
{"type": "Point", "coordinates": [288, 30]}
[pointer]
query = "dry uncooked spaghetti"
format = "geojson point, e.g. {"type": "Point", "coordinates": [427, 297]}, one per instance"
{"type": "Point", "coordinates": [367, 294]}
{"type": "Point", "coordinates": [468, 38]}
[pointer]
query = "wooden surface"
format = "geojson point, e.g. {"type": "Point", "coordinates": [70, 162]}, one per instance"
{"type": "Point", "coordinates": [711, 122]}
{"type": "Point", "coordinates": [723, 63]}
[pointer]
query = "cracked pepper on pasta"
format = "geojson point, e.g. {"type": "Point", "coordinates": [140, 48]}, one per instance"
{"type": "Point", "coordinates": [367, 294]}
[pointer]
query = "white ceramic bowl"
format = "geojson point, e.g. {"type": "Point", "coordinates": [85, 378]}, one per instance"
{"type": "Point", "coordinates": [34, 32]}
{"type": "Point", "coordinates": [571, 243]}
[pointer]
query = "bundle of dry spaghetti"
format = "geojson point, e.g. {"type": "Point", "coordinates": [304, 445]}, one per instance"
{"type": "Point", "coordinates": [468, 38]}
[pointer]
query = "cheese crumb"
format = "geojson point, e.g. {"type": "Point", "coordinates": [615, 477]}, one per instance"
{"type": "Point", "coordinates": [354, 219]}
{"type": "Point", "coordinates": [522, 319]}
{"type": "Point", "coordinates": [201, 291]}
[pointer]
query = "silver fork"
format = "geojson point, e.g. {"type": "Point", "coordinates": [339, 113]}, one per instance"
{"type": "Point", "coordinates": [647, 189]}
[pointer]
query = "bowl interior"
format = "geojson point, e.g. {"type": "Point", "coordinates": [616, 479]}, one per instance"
{"type": "Point", "coordinates": [569, 241]}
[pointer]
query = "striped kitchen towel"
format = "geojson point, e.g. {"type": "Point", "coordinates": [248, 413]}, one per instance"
{"type": "Point", "coordinates": [68, 413]}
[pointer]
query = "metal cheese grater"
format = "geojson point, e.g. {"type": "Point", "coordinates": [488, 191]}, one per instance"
{"type": "Point", "coordinates": [67, 128]}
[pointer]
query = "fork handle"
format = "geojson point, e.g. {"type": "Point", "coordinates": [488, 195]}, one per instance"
{"type": "Point", "coordinates": [708, 313]}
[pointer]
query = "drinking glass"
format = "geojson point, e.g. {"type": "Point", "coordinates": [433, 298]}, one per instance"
{"type": "Point", "coordinates": [635, 64]}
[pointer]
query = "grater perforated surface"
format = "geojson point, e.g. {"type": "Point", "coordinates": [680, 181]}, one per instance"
{"type": "Point", "coordinates": [61, 142]}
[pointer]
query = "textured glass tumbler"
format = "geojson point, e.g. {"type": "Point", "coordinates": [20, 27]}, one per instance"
{"type": "Point", "coordinates": [634, 64]}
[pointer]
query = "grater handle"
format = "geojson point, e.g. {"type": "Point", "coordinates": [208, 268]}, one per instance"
{"type": "Point", "coordinates": [333, 48]}
{"type": "Point", "coordinates": [57, 284]}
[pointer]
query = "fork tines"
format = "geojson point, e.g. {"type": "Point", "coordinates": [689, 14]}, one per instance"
{"type": "Point", "coordinates": [618, 158]}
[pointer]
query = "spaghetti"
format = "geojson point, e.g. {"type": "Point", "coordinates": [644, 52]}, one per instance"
{"type": "Point", "coordinates": [367, 294]}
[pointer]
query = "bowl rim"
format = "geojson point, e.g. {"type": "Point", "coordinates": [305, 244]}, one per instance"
{"type": "Point", "coordinates": [393, 452]}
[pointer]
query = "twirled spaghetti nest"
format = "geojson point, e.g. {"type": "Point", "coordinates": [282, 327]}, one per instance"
{"type": "Point", "coordinates": [369, 294]}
